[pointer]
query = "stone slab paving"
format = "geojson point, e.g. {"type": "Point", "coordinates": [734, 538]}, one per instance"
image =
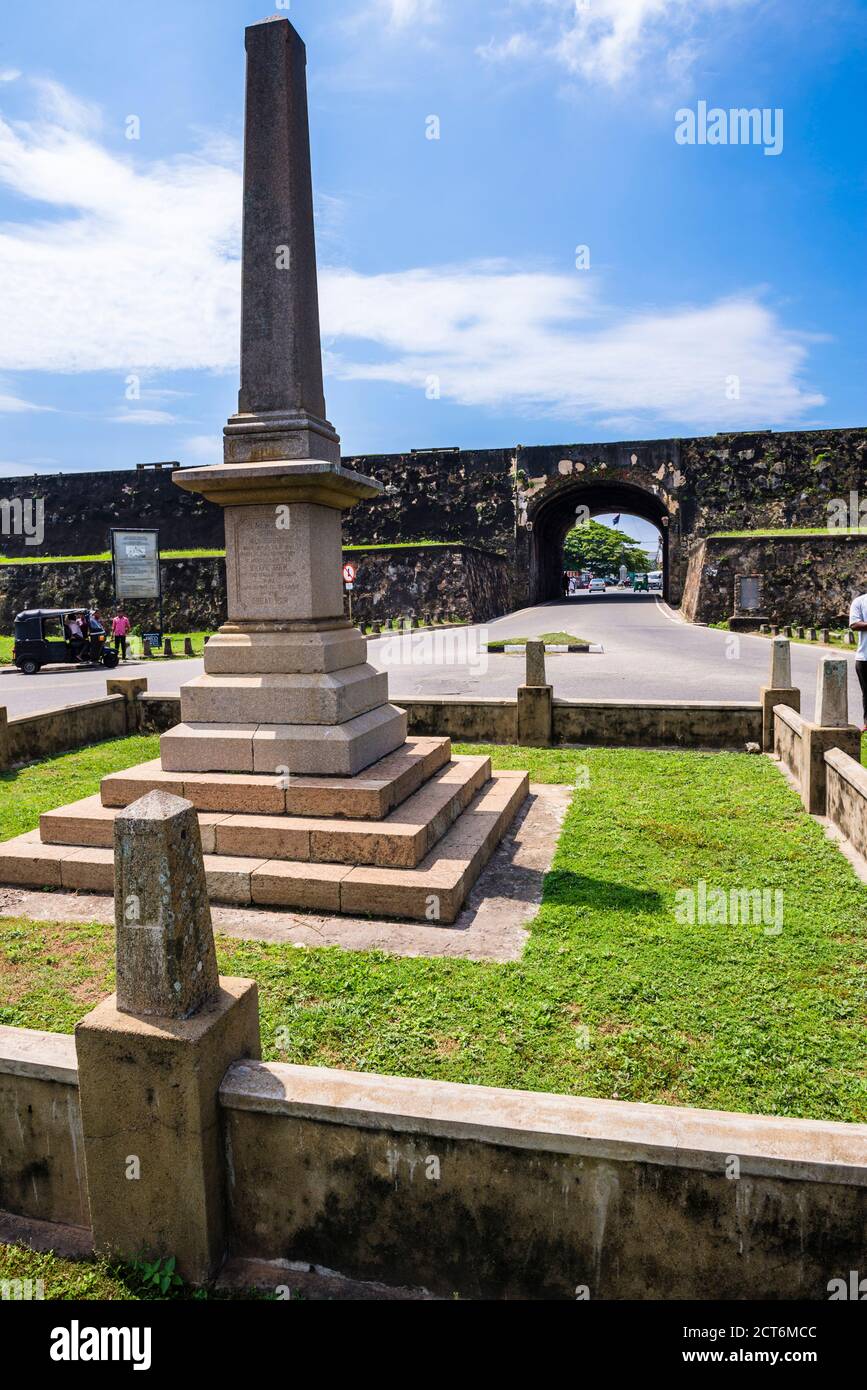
{"type": "Point", "coordinates": [493, 925]}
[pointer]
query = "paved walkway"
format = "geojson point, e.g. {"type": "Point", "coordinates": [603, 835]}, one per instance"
{"type": "Point", "coordinates": [493, 926]}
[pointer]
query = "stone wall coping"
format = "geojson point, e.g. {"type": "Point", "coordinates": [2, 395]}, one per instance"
{"type": "Point", "coordinates": [20, 719]}
{"type": "Point", "coordinates": [853, 772]}
{"type": "Point", "coordinates": [743, 705]}
{"type": "Point", "coordinates": [768, 1146]}
{"type": "Point", "coordinates": [42, 1056]}
{"type": "Point", "coordinates": [791, 717]}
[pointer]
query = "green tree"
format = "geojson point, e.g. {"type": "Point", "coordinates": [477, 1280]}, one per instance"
{"type": "Point", "coordinates": [602, 550]}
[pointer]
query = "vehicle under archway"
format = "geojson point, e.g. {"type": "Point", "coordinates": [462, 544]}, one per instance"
{"type": "Point", "coordinates": [555, 517]}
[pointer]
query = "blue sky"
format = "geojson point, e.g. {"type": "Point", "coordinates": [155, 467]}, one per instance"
{"type": "Point", "coordinates": [725, 286]}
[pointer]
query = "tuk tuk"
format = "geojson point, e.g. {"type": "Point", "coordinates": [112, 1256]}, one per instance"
{"type": "Point", "coordinates": [641, 584]}
{"type": "Point", "coordinates": [43, 638]}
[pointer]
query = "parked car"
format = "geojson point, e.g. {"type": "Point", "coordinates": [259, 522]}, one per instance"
{"type": "Point", "coordinates": [597, 586]}
{"type": "Point", "coordinates": [42, 638]}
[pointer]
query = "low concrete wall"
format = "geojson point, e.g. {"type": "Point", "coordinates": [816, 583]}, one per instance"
{"type": "Point", "coordinates": [653, 724]}
{"type": "Point", "coordinates": [788, 739]}
{"type": "Point", "coordinates": [34, 736]}
{"type": "Point", "coordinates": [508, 1194]}
{"type": "Point", "coordinates": [846, 803]}
{"type": "Point", "coordinates": [476, 1191]}
{"type": "Point", "coordinates": [42, 1173]}
{"type": "Point", "coordinates": [467, 721]}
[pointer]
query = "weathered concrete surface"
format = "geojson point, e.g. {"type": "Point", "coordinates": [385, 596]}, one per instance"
{"type": "Point", "coordinates": [654, 724]}
{"type": "Point", "coordinates": [42, 1174]}
{"type": "Point", "coordinates": [846, 797]}
{"type": "Point", "coordinates": [781, 664]}
{"type": "Point", "coordinates": [493, 925]}
{"type": "Point", "coordinates": [148, 1091]}
{"type": "Point", "coordinates": [535, 715]}
{"type": "Point", "coordinates": [769, 698]}
{"type": "Point", "coordinates": [815, 743]}
{"type": "Point", "coordinates": [35, 736]}
{"type": "Point", "coordinates": [166, 962]}
{"type": "Point", "coordinates": [832, 693]}
{"type": "Point", "coordinates": [383, 1178]}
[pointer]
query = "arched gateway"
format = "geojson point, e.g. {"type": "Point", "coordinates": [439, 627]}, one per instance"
{"type": "Point", "coordinates": [547, 507]}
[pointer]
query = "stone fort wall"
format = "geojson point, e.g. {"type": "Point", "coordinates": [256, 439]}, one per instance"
{"type": "Point", "coordinates": [483, 498]}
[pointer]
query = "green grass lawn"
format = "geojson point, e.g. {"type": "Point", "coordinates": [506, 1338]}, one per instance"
{"type": "Point", "coordinates": [612, 997]}
{"type": "Point", "coordinates": [554, 639]}
{"type": "Point", "coordinates": [94, 1280]}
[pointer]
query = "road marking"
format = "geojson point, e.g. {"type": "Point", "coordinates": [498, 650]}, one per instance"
{"type": "Point", "coordinates": [663, 608]}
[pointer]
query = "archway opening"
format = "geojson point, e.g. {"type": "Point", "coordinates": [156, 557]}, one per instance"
{"type": "Point", "coordinates": [642, 525]}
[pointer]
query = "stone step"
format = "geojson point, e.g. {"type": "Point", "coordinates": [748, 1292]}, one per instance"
{"type": "Point", "coordinates": [434, 891]}
{"type": "Point", "coordinates": [370, 795]}
{"type": "Point", "coordinates": [401, 839]}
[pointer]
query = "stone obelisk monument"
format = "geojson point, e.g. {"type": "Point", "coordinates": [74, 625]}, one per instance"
{"type": "Point", "coordinates": [286, 685]}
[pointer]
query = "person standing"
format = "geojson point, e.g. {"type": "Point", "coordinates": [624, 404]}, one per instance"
{"type": "Point", "coordinates": [858, 623]}
{"type": "Point", "coordinates": [120, 626]}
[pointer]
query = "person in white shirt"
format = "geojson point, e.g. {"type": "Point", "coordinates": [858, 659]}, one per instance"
{"type": "Point", "coordinates": [858, 623]}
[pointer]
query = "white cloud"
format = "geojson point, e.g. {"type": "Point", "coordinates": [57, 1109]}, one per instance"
{"type": "Point", "coordinates": [142, 417]}
{"type": "Point", "coordinates": [14, 405]}
{"type": "Point", "coordinates": [401, 13]}
{"type": "Point", "coordinates": [541, 344]}
{"type": "Point", "coordinates": [9, 75]}
{"type": "Point", "coordinates": [137, 271]}
{"type": "Point", "coordinates": [202, 448]}
{"type": "Point", "coordinates": [607, 40]}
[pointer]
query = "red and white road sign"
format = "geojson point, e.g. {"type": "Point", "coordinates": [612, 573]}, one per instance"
{"type": "Point", "coordinates": [349, 573]}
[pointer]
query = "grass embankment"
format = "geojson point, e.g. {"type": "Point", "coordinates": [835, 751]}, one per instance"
{"type": "Point", "coordinates": [786, 532]}
{"type": "Point", "coordinates": [613, 995]}
{"type": "Point", "coordinates": [104, 556]}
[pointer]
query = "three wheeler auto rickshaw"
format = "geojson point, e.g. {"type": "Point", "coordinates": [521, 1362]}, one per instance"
{"type": "Point", "coordinates": [43, 638]}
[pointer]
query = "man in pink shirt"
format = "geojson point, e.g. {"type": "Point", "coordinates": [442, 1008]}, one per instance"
{"type": "Point", "coordinates": [120, 626]}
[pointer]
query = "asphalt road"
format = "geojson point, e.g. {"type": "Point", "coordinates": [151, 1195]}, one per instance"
{"type": "Point", "coordinates": [650, 654]}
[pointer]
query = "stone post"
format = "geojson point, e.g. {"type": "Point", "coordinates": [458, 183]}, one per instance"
{"type": "Point", "coordinates": [830, 729]}
{"type": "Point", "coordinates": [4, 739]}
{"type": "Point", "coordinates": [535, 701]}
{"type": "Point", "coordinates": [779, 691]}
{"type": "Point", "coordinates": [151, 1057]}
{"type": "Point", "coordinates": [130, 687]}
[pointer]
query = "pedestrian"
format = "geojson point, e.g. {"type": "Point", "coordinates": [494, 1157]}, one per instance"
{"type": "Point", "coordinates": [858, 623]}
{"type": "Point", "coordinates": [120, 626]}
{"type": "Point", "coordinates": [77, 641]}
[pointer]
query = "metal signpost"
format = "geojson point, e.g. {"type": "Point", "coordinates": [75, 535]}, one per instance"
{"type": "Point", "coordinates": [349, 575]}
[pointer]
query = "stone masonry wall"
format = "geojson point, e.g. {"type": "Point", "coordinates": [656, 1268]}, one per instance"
{"type": "Point", "coordinates": [809, 580]}
{"type": "Point", "coordinates": [430, 583]}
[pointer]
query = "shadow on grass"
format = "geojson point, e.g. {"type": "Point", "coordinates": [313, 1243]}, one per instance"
{"type": "Point", "coordinates": [566, 889]}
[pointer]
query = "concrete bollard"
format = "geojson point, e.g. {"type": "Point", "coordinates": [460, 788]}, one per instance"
{"type": "Point", "coordinates": [832, 693]}
{"type": "Point", "coordinates": [825, 636]}
{"type": "Point", "coordinates": [535, 701]}
{"type": "Point", "coordinates": [4, 739]}
{"type": "Point", "coordinates": [780, 691]}
{"type": "Point", "coordinates": [849, 638]}
{"type": "Point", "coordinates": [188, 647]}
{"type": "Point", "coordinates": [781, 663]}
{"type": "Point", "coordinates": [131, 688]}
{"type": "Point", "coordinates": [830, 729]}
{"type": "Point", "coordinates": [146, 650]}
{"type": "Point", "coordinates": [168, 649]}
{"type": "Point", "coordinates": [151, 1057]}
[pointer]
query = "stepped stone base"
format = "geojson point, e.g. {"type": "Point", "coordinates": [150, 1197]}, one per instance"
{"type": "Point", "coordinates": [338, 750]}
{"type": "Point", "coordinates": [408, 838]}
